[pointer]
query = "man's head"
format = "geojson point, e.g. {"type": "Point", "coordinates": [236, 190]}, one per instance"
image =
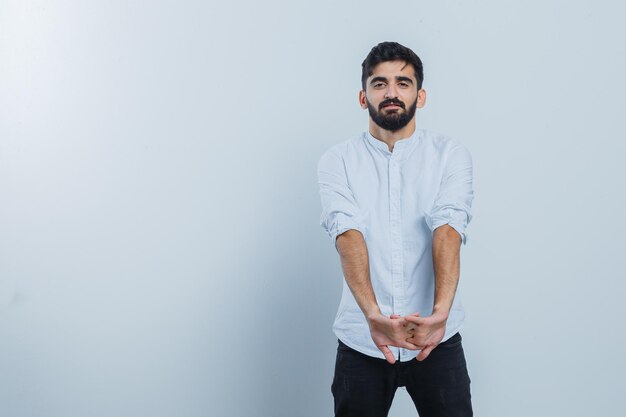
{"type": "Point", "coordinates": [392, 77]}
{"type": "Point", "coordinates": [391, 51]}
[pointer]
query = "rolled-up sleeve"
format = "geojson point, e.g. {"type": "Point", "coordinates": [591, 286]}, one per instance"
{"type": "Point", "coordinates": [340, 211]}
{"type": "Point", "coordinates": [453, 203]}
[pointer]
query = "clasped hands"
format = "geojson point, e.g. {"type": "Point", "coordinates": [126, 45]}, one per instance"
{"type": "Point", "coordinates": [412, 332]}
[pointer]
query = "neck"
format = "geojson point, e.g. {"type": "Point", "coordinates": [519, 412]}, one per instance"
{"type": "Point", "coordinates": [389, 137]}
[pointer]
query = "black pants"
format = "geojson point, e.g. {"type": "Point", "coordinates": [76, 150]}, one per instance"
{"type": "Point", "coordinates": [439, 386]}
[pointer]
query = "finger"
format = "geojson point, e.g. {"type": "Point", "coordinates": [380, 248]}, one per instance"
{"type": "Point", "coordinates": [388, 355]}
{"type": "Point", "coordinates": [401, 320]}
{"type": "Point", "coordinates": [415, 319]}
{"type": "Point", "coordinates": [394, 316]}
{"type": "Point", "coordinates": [424, 353]}
{"type": "Point", "coordinates": [415, 346]}
{"type": "Point", "coordinates": [418, 340]}
{"type": "Point", "coordinates": [414, 342]}
{"type": "Point", "coordinates": [399, 324]}
{"type": "Point", "coordinates": [406, 344]}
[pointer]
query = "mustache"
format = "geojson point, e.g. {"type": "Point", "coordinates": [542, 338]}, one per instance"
{"type": "Point", "coordinates": [394, 101]}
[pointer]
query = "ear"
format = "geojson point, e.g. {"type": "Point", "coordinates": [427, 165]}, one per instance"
{"type": "Point", "coordinates": [421, 98]}
{"type": "Point", "coordinates": [362, 99]}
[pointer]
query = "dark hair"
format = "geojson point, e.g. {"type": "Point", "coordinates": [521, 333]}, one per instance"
{"type": "Point", "coordinates": [391, 51]}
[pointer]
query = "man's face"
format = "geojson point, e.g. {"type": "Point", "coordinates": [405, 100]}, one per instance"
{"type": "Point", "coordinates": [391, 95]}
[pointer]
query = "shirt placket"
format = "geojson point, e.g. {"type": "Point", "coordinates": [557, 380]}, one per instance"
{"type": "Point", "coordinates": [397, 270]}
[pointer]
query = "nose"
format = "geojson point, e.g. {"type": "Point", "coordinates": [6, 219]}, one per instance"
{"type": "Point", "coordinates": [391, 91]}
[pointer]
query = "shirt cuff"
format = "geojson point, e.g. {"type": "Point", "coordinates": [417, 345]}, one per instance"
{"type": "Point", "coordinates": [455, 218]}
{"type": "Point", "coordinates": [341, 224]}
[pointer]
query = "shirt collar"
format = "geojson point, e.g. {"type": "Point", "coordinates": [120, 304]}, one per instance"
{"type": "Point", "coordinates": [400, 148]}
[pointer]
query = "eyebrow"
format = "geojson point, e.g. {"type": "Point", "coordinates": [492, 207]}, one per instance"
{"type": "Point", "coordinates": [377, 79]}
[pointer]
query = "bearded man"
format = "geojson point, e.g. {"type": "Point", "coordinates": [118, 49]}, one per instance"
{"type": "Point", "coordinates": [396, 202]}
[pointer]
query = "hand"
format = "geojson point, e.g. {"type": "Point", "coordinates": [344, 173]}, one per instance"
{"type": "Point", "coordinates": [426, 332]}
{"type": "Point", "coordinates": [386, 331]}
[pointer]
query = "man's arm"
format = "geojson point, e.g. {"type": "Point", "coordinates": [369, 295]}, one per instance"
{"type": "Point", "coordinates": [447, 267]}
{"type": "Point", "coordinates": [448, 219]}
{"type": "Point", "coordinates": [429, 331]}
{"type": "Point", "coordinates": [385, 331]}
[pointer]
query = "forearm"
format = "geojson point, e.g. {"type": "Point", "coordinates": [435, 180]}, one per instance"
{"type": "Point", "coordinates": [446, 262]}
{"type": "Point", "coordinates": [355, 264]}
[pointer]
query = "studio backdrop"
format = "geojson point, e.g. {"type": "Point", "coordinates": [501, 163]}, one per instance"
{"type": "Point", "coordinates": [160, 246]}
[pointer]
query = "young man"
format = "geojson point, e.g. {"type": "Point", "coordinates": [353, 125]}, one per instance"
{"type": "Point", "coordinates": [396, 202]}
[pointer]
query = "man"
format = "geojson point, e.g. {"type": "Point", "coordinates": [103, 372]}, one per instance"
{"type": "Point", "coordinates": [396, 201]}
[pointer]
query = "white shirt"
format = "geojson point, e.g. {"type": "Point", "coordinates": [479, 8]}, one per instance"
{"type": "Point", "coordinates": [395, 199]}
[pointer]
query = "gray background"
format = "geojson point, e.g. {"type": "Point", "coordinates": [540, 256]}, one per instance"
{"type": "Point", "coordinates": [160, 253]}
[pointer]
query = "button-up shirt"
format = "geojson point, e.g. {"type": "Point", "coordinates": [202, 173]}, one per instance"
{"type": "Point", "coordinates": [396, 200]}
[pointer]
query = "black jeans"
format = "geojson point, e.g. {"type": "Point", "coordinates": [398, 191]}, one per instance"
{"type": "Point", "coordinates": [364, 386]}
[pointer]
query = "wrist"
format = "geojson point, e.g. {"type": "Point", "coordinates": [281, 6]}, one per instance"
{"type": "Point", "coordinates": [441, 312]}
{"type": "Point", "coordinates": [372, 313]}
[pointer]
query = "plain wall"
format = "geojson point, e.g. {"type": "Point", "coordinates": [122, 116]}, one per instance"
{"type": "Point", "coordinates": [160, 248]}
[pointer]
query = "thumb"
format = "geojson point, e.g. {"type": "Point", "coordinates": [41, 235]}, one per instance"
{"type": "Point", "coordinates": [388, 355]}
{"type": "Point", "coordinates": [424, 353]}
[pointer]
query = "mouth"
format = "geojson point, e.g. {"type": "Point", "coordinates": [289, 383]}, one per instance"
{"type": "Point", "coordinates": [392, 106]}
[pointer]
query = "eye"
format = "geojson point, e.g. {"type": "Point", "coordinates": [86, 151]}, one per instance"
{"type": "Point", "coordinates": [403, 84]}
{"type": "Point", "coordinates": [378, 84]}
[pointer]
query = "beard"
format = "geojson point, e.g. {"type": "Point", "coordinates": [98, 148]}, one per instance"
{"type": "Point", "coordinates": [392, 121]}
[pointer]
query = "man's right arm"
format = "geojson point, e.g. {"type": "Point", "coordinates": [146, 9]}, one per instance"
{"type": "Point", "coordinates": [385, 331]}
{"type": "Point", "coordinates": [345, 224]}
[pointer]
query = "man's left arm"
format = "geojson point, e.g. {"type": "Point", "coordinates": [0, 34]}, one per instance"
{"type": "Point", "coordinates": [429, 331]}
{"type": "Point", "coordinates": [448, 220]}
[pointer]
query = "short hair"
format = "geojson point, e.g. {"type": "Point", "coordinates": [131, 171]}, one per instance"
{"type": "Point", "coordinates": [391, 51]}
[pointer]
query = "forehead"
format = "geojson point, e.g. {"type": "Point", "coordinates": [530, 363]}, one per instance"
{"type": "Point", "coordinates": [391, 69]}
